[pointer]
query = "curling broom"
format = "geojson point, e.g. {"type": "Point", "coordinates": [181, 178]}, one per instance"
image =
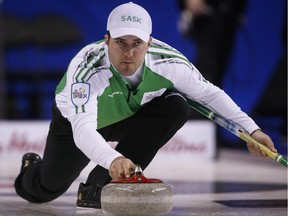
{"type": "Point", "coordinates": [235, 129]}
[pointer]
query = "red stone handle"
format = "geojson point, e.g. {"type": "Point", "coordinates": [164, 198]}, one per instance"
{"type": "Point", "coordinates": [138, 177]}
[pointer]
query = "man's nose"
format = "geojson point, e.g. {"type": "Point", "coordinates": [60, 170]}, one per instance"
{"type": "Point", "coordinates": [129, 51]}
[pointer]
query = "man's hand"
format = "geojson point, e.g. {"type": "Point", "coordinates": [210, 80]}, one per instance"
{"type": "Point", "coordinates": [197, 7]}
{"type": "Point", "coordinates": [262, 138]}
{"type": "Point", "coordinates": [121, 168]}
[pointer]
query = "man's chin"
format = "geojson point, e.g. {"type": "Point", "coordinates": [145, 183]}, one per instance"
{"type": "Point", "coordinates": [127, 72]}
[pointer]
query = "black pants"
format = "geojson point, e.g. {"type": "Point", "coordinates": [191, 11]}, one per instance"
{"type": "Point", "coordinates": [139, 138]}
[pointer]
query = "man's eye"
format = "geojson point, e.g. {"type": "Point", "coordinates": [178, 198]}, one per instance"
{"type": "Point", "coordinates": [120, 43]}
{"type": "Point", "coordinates": [138, 43]}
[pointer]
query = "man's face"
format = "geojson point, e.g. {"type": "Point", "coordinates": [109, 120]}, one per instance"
{"type": "Point", "coordinates": [126, 53]}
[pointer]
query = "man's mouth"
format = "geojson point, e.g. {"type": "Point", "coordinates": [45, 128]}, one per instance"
{"type": "Point", "coordinates": [127, 62]}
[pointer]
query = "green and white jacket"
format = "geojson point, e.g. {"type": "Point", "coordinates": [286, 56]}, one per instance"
{"type": "Point", "coordinates": [92, 94]}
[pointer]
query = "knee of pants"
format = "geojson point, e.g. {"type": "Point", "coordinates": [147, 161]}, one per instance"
{"type": "Point", "coordinates": [29, 187]}
{"type": "Point", "coordinates": [177, 106]}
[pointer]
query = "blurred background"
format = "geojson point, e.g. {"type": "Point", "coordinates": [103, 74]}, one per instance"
{"type": "Point", "coordinates": [39, 38]}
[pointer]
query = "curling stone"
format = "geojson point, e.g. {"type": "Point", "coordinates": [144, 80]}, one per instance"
{"type": "Point", "coordinates": [137, 195]}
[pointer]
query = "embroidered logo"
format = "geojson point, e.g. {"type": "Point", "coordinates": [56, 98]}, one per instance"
{"type": "Point", "coordinates": [80, 93]}
{"type": "Point", "coordinates": [115, 93]}
{"type": "Point", "coordinates": [131, 19]}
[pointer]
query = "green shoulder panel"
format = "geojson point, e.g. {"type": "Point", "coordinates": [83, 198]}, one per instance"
{"type": "Point", "coordinates": [61, 84]}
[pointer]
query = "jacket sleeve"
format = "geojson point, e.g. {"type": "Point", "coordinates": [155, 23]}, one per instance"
{"type": "Point", "coordinates": [78, 103]}
{"type": "Point", "coordinates": [190, 82]}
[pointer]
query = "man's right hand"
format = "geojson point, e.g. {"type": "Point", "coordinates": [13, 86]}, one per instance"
{"type": "Point", "coordinates": [121, 168]}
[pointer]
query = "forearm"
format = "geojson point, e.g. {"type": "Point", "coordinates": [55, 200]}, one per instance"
{"type": "Point", "coordinates": [91, 143]}
{"type": "Point", "coordinates": [226, 107]}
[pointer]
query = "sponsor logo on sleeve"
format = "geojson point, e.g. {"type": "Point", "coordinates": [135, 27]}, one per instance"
{"type": "Point", "coordinates": [80, 93]}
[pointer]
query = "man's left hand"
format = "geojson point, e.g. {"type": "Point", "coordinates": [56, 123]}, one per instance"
{"type": "Point", "coordinates": [262, 138]}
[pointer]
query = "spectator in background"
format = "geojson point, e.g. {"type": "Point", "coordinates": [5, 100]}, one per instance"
{"type": "Point", "coordinates": [277, 85]}
{"type": "Point", "coordinates": [211, 24]}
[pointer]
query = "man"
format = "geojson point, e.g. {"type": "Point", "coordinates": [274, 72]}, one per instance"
{"type": "Point", "coordinates": [200, 19]}
{"type": "Point", "coordinates": [125, 89]}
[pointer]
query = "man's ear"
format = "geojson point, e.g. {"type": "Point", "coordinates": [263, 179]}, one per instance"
{"type": "Point", "coordinates": [150, 41]}
{"type": "Point", "coordinates": [106, 39]}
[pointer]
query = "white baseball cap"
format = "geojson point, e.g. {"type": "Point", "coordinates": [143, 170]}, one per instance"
{"type": "Point", "coordinates": [129, 19]}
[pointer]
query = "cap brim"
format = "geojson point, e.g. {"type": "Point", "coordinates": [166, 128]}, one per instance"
{"type": "Point", "coordinates": [115, 33]}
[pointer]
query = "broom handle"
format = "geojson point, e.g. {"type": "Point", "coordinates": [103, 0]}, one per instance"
{"type": "Point", "coordinates": [235, 129]}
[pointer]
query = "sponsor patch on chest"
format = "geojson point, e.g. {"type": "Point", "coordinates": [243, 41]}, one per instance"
{"type": "Point", "coordinates": [80, 93]}
{"type": "Point", "coordinates": [148, 96]}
